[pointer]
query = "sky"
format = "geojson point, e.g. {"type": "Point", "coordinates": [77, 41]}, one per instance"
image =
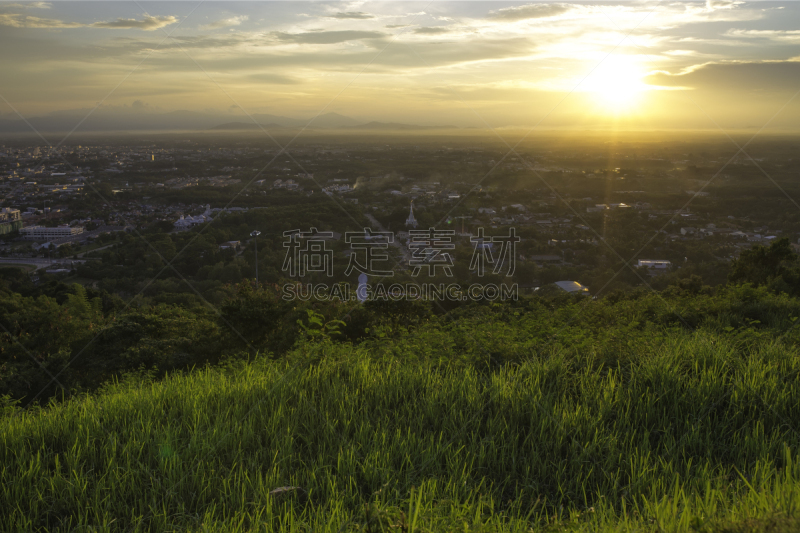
{"type": "Point", "coordinates": [626, 65]}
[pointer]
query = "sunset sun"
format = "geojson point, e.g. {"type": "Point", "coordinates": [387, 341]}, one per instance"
{"type": "Point", "coordinates": [616, 84]}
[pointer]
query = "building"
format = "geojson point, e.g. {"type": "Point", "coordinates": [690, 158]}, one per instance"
{"type": "Point", "coordinates": [41, 233]}
{"type": "Point", "coordinates": [10, 220]}
{"type": "Point", "coordinates": [411, 221]}
{"type": "Point", "coordinates": [572, 287]}
{"type": "Point", "coordinates": [655, 266]}
{"type": "Point", "coordinates": [185, 223]}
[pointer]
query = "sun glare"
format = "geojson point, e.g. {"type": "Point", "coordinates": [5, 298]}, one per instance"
{"type": "Point", "coordinates": [616, 84]}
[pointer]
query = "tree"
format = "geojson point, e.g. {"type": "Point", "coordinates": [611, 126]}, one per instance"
{"type": "Point", "coordinates": [777, 266]}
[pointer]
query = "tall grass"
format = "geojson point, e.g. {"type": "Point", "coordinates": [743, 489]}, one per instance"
{"type": "Point", "coordinates": [695, 432]}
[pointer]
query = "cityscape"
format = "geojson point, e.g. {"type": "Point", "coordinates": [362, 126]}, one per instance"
{"type": "Point", "coordinates": [572, 208]}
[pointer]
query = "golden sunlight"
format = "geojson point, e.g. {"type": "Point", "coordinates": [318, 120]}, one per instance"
{"type": "Point", "coordinates": [616, 84]}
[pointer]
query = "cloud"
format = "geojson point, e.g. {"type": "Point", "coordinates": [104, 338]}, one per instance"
{"type": "Point", "coordinates": [492, 92]}
{"type": "Point", "coordinates": [352, 15]}
{"type": "Point", "coordinates": [274, 79]}
{"type": "Point", "coordinates": [29, 5]}
{"type": "Point", "coordinates": [431, 30]}
{"type": "Point", "coordinates": [722, 4]}
{"type": "Point", "coordinates": [787, 36]}
{"type": "Point", "coordinates": [16, 20]}
{"type": "Point", "coordinates": [529, 11]}
{"type": "Point", "coordinates": [746, 76]}
{"type": "Point", "coordinates": [148, 23]}
{"type": "Point", "coordinates": [226, 23]}
{"type": "Point", "coordinates": [264, 57]}
{"type": "Point", "coordinates": [326, 37]}
{"type": "Point", "coordinates": [192, 41]}
{"type": "Point", "coordinates": [393, 26]}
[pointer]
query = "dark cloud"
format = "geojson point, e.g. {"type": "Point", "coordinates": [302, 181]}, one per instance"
{"type": "Point", "coordinates": [431, 30]}
{"type": "Point", "coordinates": [529, 11]}
{"type": "Point", "coordinates": [352, 15]}
{"type": "Point", "coordinates": [766, 77]}
{"type": "Point", "coordinates": [393, 26]}
{"type": "Point", "coordinates": [326, 37]}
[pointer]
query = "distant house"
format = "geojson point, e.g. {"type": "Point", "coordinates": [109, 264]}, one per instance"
{"type": "Point", "coordinates": [185, 223]}
{"type": "Point", "coordinates": [655, 266]}
{"type": "Point", "coordinates": [230, 245]}
{"type": "Point", "coordinates": [572, 287]}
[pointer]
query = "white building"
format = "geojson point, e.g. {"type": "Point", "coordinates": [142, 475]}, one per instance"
{"type": "Point", "coordinates": [41, 233]}
{"type": "Point", "coordinates": [184, 223]}
{"type": "Point", "coordinates": [411, 221]}
{"type": "Point", "coordinates": [655, 264]}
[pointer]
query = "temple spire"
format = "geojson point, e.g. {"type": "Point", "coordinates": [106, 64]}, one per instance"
{"type": "Point", "coordinates": [411, 221]}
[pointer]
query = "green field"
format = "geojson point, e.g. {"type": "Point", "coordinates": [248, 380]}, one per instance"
{"type": "Point", "coordinates": [493, 418]}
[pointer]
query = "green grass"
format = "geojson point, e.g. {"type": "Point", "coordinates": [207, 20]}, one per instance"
{"type": "Point", "coordinates": [693, 431]}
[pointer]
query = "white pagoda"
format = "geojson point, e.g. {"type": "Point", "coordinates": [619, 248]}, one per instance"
{"type": "Point", "coordinates": [411, 221]}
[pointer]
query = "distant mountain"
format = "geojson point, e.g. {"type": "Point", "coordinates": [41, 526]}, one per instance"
{"type": "Point", "coordinates": [240, 126]}
{"type": "Point", "coordinates": [87, 120]}
{"type": "Point", "coordinates": [397, 126]}
{"type": "Point", "coordinates": [328, 120]}
{"type": "Point", "coordinates": [129, 119]}
{"type": "Point", "coordinates": [333, 120]}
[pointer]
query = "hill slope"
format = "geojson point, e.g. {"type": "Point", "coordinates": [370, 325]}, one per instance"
{"type": "Point", "coordinates": [683, 429]}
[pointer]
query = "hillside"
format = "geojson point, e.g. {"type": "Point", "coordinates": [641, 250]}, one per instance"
{"type": "Point", "coordinates": [651, 413]}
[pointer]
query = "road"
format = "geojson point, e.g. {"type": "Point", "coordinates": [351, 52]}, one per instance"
{"type": "Point", "coordinates": [377, 226]}
{"type": "Point", "coordinates": [37, 261]}
{"type": "Point", "coordinates": [96, 249]}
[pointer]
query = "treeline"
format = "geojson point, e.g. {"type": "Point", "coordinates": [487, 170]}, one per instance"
{"type": "Point", "coordinates": [60, 339]}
